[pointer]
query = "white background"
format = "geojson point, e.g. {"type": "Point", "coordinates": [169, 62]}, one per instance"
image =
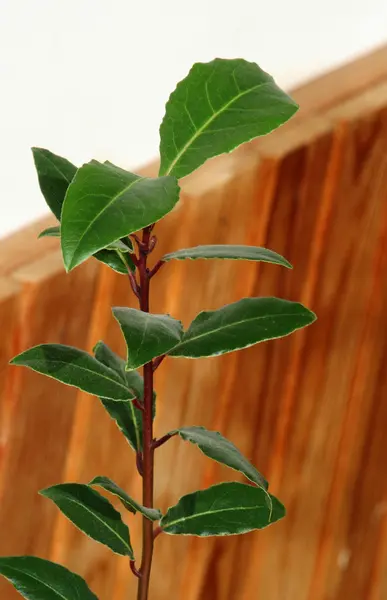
{"type": "Point", "coordinates": [89, 78]}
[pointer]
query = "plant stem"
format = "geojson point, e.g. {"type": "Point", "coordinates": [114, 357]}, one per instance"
{"type": "Point", "coordinates": [147, 420]}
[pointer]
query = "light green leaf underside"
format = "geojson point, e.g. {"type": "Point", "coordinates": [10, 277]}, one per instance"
{"type": "Point", "coordinates": [146, 335]}
{"type": "Point", "coordinates": [125, 414]}
{"type": "Point", "coordinates": [76, 368]}
{"type": "Point", "coordinates": [153, 514]}
{"type": "Point", "coordinates": [217, 447]}
{"type": "Point", "coordinates": [224, 509]}
{"type": "Point", "coordinates": [93, 514]}
{"type": "Point", "coordinates": [105, 203]}
{"type": "Point", "coordinates": [50, 232]}
{"type": "Point", "coordinates": [38, 579]}
{"type": "Point", "coordinates": [232, 252]}
{"type": "Point", "coordinates": [241, 324]}
{"type": "Point", "coordinates": [217, 107]}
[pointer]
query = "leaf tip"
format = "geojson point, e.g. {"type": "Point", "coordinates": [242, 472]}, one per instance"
{"type": "Point", "coordinates": [97, 346]}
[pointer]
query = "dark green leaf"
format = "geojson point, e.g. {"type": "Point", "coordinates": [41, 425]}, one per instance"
{"type": "Point", "coordinates": [105, 203]}
{"type": "Point", "coordinates": [224, 509]}
{"type": "Point", "coordinates": [240, 325]}
{"type": "Point", "coordinates": [92, 514]}
{"type": "Point", "coordinates": [217, 447]}
{"type": "Point", "coordinates": [132, 379]}
{"type": "Point", "coordinates": [231, 252]}
{"type": "Point", "coordinates": [74, 367]}
{"type": "Point", "coordinates": [217, 107]}
{"type": "Point", "coordinates": [128, 419]}
{"type": "Point", "coordinates": [38, 579]}
{"type": "Point", "coordinates": [50, 232]}
{"type": "Point", "coordinates": [153, 514]}
{"type": "Point", "coordinates": [55, 174]}
{"type": "Point", "coordinates": [146, 335]}
{"type": "Point", "coordinates": [125, 414]}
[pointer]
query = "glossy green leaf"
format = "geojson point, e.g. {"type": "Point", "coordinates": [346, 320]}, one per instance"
{"type": "Point", "coordinates": [146, 335]}
{"type": "Point", "coordinates": [153, 514]}
{"type": "Point", "coordinates": [50, 232]}
{"type": "Point", "coordinates": [125, 414]}
{"type": "Point", "coordinates": [92, 514]}
{"type": "Point", "coordinates": [55, 175]}
{"type": "Point", "coordinates": [217, 447]}
{"type": "Point", "coordinates": [76, 368]}
{"type": "Point", "coordinates": [39, 579]}
{"type": "Point", "coordinates": [116, 256]}
{"type": "Point", "coordinates": [217, 107]}
{"type": "Point", "coordinates": [229, 252]}
{"type": "Point", "coordinates": [105, 203]}
{"type": "Point", "coordinates": [241, 324]}
{"type": "Point", "coordinates": [224, 509]}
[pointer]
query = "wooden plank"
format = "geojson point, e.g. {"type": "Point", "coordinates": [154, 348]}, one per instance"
{"type": "Point", "coordinates": [42, 410]}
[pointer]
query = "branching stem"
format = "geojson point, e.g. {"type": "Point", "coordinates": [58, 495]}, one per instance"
{"type": "Point", "coordinates": [162, 440]}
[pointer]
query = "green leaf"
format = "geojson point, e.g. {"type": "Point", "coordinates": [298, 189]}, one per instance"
{"type": "Point", "coordinates": [38, 579]}
{"type": "Point", "coordinates": [76, 368]}
{"type": "Point", "coordinates": [224, 509]}
{"type": "Point", "coordinates": [127, 416]}
{"type": "Point", "coordinates": [50, 232]}
{"type": "Point", "coordinates": [132, 379]}
{"type": "Point", "coordinates": [230, 252]}
{"type": "Point", "coordinates": [92, 514]}
{"type": "Point", "coordinates": [124, 245]}
{"type": "Point", "coordinates": [153, 514]}
{"type": "Point", "coordinates": [116, 257]}
{"type": "Point", "coordinates": [55, 174]}
{"type": "Point", "coordinates": [217, 107]}
{"type": "Point", "coordinates": [217, 447]}
{"type": "Point", "coordinates": [146, 335]}
{"type": "Point", "coordinates": [117, 261]}
{"type": "Point", "coordinates": [105, 203]}
{"type": "Point", "coordinates": [241, 324]}
{"type": "Point", "coordinates": [128, 419]}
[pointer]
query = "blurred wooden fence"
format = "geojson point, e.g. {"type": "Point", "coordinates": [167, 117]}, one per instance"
{"type": "Point", "coordinates": [309, 410]}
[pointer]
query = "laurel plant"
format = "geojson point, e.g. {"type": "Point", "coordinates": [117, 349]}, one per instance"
{"type": "Point", "coordinates": [109, 213]}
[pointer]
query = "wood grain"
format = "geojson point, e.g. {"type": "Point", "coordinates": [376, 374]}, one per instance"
{"type": "Point", "coordinates": [310, 410]}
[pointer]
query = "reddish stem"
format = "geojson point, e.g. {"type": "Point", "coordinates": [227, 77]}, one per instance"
{"type": "Point", "coordinates": [134, 570]}
{"type": "Point", "coordinates": [157, 532]}
{"type": "Point", "coordinates": [138, 404]}
{"type": "Point", "coordinates": [156, 268]}
{"type": "Point", "coordinates": [147, 424]}
{"type": "Point", "coordinates": [133, 284]}
{"type": "Point", "coordinates": [162, 440]}
{"type": "Point", "coordinates": [157, 361]}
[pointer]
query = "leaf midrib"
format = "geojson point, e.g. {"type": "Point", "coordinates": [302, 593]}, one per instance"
{"type": "Point", "coordinates": [201, 335]}
{"type": "Point", "coordinates": [40, 581]}
{"type": "Point", "coordinates": [213, 512]}
{"type": "Point", "coordinates": [62, 362]}
{"type": "Point", "coordinates": [85, 507]}
{"type": "Point", "coordinates": [200, 130]}
{"type": "Point", "coordinates": [91, 223]}
{"type": "Point", "coordinates": [59, 171]}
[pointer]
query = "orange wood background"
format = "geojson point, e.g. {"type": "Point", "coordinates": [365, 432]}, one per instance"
{"type": "Point", "coordinates": [309, 410]}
